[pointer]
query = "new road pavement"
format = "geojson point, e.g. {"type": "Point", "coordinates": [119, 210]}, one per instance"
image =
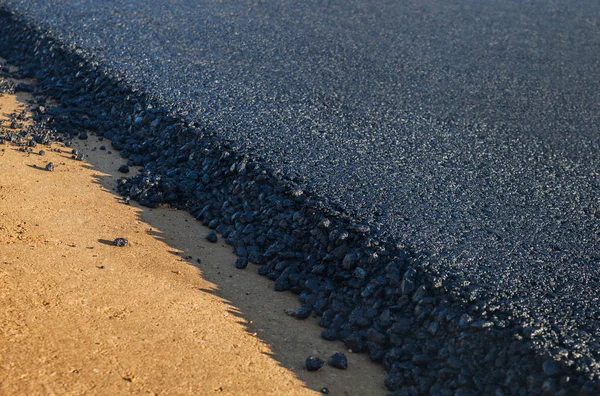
{"type": "Point", "coordinates": [468, 130]}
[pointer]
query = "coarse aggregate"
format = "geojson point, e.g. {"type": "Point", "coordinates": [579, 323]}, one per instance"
{"type": "Point", "coordinates": [423, 175]}
{"type": "Point", "coordinates": [313, 363]}
{"type": "Point", "coordinates": [338, 360]}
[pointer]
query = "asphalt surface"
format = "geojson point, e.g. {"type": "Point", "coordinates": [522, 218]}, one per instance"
{"type": "Point", "coordinates": [468, 129]}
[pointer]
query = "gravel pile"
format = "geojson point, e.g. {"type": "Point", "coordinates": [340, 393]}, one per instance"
{"type": "Point", "coordinates": [432, 335]}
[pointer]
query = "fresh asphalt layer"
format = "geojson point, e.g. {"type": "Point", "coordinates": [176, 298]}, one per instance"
{"type": "Point", "coordinates": [466, 129]}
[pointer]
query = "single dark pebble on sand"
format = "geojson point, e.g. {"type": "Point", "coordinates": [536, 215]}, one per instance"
{"type": "Point", "coordinates": [102, 147]}
{"type": "Point", "coordinates": [42, 152]}
{"type": "Point", "coordinates": [313, 363]}
{"type": "Point", "coordinates": [83, 135]}
{"type": "Point", "coordinates": [124, 169]}
{"type": "Point", "coordinates": [241, 263]}
{"type": "Point", "coordinates": [212, 237]}
{"type": "Point", "coordinates": [325, 391]}
{"type": "Point", "coordinates": [338, 360]}
{"type": "Point", "coordinates": [121, 242]}
{"type": "Point", "coordinates": [50, 166]}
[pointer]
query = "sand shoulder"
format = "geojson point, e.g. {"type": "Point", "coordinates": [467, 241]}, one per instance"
{"type": "Point", "coordinates": [168, 314]}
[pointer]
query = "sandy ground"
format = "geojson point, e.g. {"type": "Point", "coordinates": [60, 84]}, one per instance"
{"type": "Point", "coordinates": [168, 314]}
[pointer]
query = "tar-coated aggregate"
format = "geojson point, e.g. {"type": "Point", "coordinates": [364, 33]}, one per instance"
{"type": "Point", "coordinates": [469, 129]}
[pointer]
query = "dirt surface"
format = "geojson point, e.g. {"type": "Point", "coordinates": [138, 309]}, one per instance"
{"type": "Point", "coordinates": [168, 314]}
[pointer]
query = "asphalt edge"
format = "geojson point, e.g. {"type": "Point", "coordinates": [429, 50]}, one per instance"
{"type": "Point", "coordinates": [377, 297]}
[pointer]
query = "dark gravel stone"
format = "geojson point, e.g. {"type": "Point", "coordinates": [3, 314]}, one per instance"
{"type": "Point", "coordinates": [254, 255]}
{"type": "Point", "coordinates": [241, 263]}
{"type": "Point", "coordinates": [325, 391]}
{"type": "Point", "coordinates": [329, 334]}
{"type": "Point", "coordinates": [121, 242]}
{"type": "Point", "coordinates": [212, 237]}
{"type": "Point", "coordinates": [241, 251]}
{"type": "Point", "coordinates": [24, 87]}
{"type": "Point", "coordinates": [124, 168]}
{"type": "Point", "coordinates": [551, 368]}
{"type": "Point", "coordinates": [282, 283]}
{"type": "Point", "coordinates": [303, 312]}
{"type": "Point", "coordinates": [313, 363]}
{"type": "Point", "coordinates": [355, 343]}
{"type": "Point", "coordinates": [83, 136]}
{"type": "Point", "coordinates": [394, 382]}
{"type": "Point", "coordinates": [338, 360]}
{"type": "Point", "coordinates": [49, 166]}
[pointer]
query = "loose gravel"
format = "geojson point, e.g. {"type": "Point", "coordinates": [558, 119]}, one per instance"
{"type": "Point", "coordinates": [432, 331]}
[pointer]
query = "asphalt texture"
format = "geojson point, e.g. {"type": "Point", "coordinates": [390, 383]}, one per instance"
{"type": "Point", "coordinates": [466, 130]}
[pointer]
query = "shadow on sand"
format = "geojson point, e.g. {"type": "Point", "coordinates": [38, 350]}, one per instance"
{"type": "Point", "coordinates": [249, 297]}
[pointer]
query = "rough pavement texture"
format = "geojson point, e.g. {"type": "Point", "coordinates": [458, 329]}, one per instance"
{"type": "Point", "coordinates": [466, 131]}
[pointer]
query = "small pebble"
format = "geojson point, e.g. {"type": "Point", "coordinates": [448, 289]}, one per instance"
{"type": "Point", "coordinates": [212, 237]}
{"type": "Point", "coordinates": [303, 312]}
{"type": "Point", "coordinates": [313, 363]}
{"type": "Point", "coordinates": [102, 147]}
{"type": "Point", "coordinates": [121, 242]}
{"type": "Point", "coordinates": [338, 360]}
{"type": "Point", "coordinates": [42, 152]}
{"type": "Point", "coordinates": [325, 391]}
{"type": "Point", "coordinates": [50, 167]}
{"type": "Point", "coordinates": [241, 263]}
{"type": "Point", "coordinates": [124, 169]}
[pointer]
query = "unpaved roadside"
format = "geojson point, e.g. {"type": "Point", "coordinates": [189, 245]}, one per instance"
{"type": "Point", "coordinates": [81, 316]}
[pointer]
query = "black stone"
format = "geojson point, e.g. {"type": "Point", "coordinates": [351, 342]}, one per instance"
{"type": "Point", "coordinates": [338, 360]}
{"type": "Point", "coordinates": [313, 363]}
{"type": "Point", "coordinates": [551, 368]}
{"type": "Point", "coordinates": [212, 237]}
{"type": "Point", "coordinates": [303, 312]}
{"type": "Point", "coordinates": [120, 242]}
{"type": "Point", "coordinates": [241, 263]}
{"type": "Point", "coordinates": [329, 334]}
